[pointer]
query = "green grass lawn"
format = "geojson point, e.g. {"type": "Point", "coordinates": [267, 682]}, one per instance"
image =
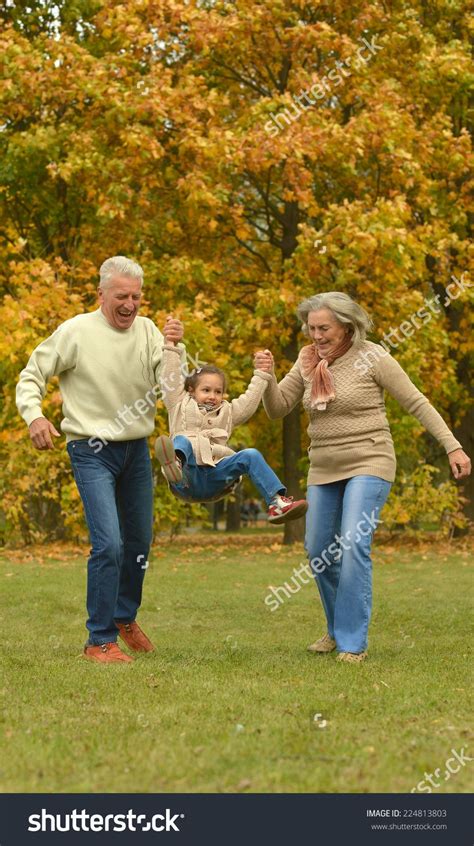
{"type": "Point", "coordinates": [227, 702]}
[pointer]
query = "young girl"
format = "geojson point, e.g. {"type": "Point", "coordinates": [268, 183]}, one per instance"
{"type": "Point", "coordinates": [197, 462]}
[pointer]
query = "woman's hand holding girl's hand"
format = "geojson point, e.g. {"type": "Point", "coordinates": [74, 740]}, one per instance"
{"type": "Point", "coordinates": [173, 330]}
{"type": "Point", "coordinates": [263, 360]}
{"type": "Point", "coordinates": [460, 463]}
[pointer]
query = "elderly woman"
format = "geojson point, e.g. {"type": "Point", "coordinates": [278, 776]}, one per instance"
{"type": "Point", "coordinates": [341, 379]}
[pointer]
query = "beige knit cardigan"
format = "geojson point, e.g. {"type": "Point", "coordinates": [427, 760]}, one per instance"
{"type": "Point", "coordinates": [352, 436]}
{"type": "Point", "coordinates": [208, 431]}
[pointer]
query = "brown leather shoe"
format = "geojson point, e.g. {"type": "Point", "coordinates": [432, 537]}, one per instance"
{"type": "Point", "coordinates": [133, 636]}
{"type": "Point", "coordinates": [106, 653]}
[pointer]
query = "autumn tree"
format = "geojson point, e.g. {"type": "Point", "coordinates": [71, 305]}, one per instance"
{"type": "Point", "coordinates": [247, 155]}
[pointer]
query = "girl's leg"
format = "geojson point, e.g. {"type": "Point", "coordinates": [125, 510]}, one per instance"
{"type": "Point", "coordinates": [192, 485]}
{"type": "Point", "coordinates": [248, 462]}
{"type": "Point", "coordinates": [323, 522]}
{"type": "Point", "coordinates": [364, 497]}
{"type": "Point", "coordinates": [183, 449]}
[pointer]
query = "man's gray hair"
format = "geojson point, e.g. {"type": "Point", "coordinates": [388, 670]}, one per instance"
{"type": "Point", "coordinates": [344, 308]}
{"type": "Point", "coordinates": [119, 266]}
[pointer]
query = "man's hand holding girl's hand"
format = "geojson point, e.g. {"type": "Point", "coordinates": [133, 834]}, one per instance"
{"type": "Point", "coordinates": [173, 330]}
{"type": "Point", "coordinates": [263, 360]}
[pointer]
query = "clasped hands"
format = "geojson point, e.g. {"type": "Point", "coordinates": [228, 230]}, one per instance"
{"type": "Point", "coordinates": [263, 360]}
{"type": "Point", "coordinates": [173, 330]}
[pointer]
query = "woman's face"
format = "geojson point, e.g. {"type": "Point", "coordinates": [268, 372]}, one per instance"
{"type": "Point", "coordinates": [325, 331]}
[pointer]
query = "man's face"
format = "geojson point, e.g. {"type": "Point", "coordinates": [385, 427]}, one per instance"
{"type": "Point", "coordinates": [120, 301]}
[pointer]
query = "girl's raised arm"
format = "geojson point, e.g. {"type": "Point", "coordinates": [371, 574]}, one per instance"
{"type": "Point", "coordinates": [245, 406]}
{"type": "Point", "coordinates": [173, 364]}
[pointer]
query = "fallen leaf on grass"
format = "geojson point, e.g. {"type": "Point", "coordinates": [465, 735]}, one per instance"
{"type": "Point", "coordinates": [244, 784]}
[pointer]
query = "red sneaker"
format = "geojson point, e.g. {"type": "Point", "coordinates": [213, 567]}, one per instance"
{"type": "Point", "coordinates": [106, 653]}
{"type": "Point", "coordinates": [133, 636]}
{"type": "Point", "coordinates": [285, 508]}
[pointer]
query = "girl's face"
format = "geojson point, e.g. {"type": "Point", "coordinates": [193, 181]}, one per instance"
{"type": "Point", "coordinates": [208, 389]}
{"type": "Point", "coordinates": [325, 331]}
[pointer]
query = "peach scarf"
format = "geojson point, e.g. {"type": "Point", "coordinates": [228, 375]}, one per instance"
{"type": "Point", "coordinates": [317, 369]}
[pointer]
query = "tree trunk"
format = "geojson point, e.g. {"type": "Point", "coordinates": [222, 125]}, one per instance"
{"type": "Point", "coordinates": [234, 502]}
{"type": "Point", "coordinates": [294, 531]}
{"type": "Point", "coordinates": [464, 430]}
{"type": "Point", "coordinates": [218, 508]}
{"type": "Point", "coordinates": [465, 435]}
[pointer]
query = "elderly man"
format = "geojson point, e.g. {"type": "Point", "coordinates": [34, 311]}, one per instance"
{"type": "Point", "coordinates": [107, 362]}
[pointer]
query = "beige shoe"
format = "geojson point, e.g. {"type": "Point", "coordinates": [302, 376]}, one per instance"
{"type": "Point", "coordinates": [324, 644]}
{"type": "Point", "coordinates": [352, 657]}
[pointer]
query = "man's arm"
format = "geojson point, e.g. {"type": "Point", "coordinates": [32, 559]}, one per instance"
{"type": "Point", "coordinates": [46, 360]}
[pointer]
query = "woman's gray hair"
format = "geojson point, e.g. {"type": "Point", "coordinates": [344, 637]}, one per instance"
{"type": "Point", "coordinates": [344, 308]}
{"type": "Point", "coordinates": [119, 266]}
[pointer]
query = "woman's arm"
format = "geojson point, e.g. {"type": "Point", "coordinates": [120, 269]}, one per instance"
{"type": "Point", "coordinates": [245, 406]}
{"type": "Point", "coordinates": [391, 376]}
{"type": "Point", "coordinates": [280, 398]}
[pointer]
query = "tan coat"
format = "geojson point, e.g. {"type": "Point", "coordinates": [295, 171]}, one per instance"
{"type": "Point", "coordinates": [208, 431]}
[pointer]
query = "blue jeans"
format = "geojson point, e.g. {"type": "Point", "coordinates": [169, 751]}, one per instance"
{"type": "Point", "coordinates": [340, 524]}
{"type": "Point", "coordinates": [202, 482]}
{"type": "Point", "coordinates": [116, 489]}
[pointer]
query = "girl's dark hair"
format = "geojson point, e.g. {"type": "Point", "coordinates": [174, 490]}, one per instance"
{"type": "Point", "coordinates": [192, 380]}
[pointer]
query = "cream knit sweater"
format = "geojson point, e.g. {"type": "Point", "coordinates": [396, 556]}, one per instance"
{"type": "Point", "coordinates": [352, 436]}
{"type": "Point", "coordinates": [108, 378]}
{"type": "Point", "coordinates": [208, 431]}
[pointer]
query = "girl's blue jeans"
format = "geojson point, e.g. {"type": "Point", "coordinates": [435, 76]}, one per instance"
{"type": "Point", "coordinates": [203, 482]}
{"type": "Point", "coordinates": [340, 523]}
{"type": "Point", "coordinates": [116, 488]}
